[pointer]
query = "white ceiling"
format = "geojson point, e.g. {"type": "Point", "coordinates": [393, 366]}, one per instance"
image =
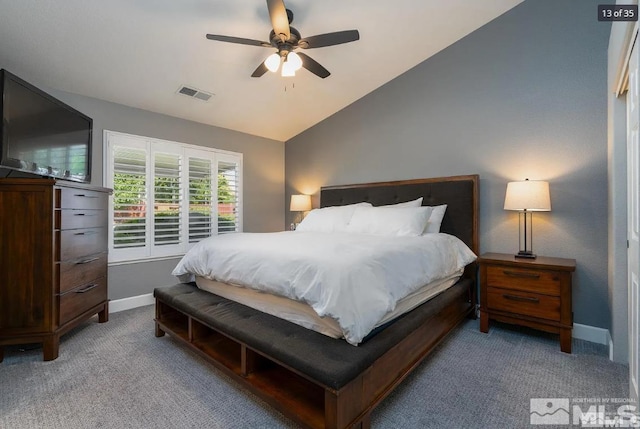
{"type": "Point", "coordinates": [139, 52]}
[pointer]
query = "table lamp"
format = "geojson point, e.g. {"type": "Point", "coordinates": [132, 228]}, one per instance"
{"type": "Point", "coordinates": [300, 203]}
{"type": "Point", "coordinates": [527, 196]}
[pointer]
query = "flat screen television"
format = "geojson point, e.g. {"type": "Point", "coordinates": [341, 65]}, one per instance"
{"type": "Point", "coordinates": [41, 135]}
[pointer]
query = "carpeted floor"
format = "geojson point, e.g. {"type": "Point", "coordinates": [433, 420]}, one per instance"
{"type": "Point", "coordinates": [118, 375]}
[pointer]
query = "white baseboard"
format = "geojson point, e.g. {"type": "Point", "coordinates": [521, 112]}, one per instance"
{"type": "Point", "coordinates": [594, 335]}
{"type": "Point", "coordinates": [128, 303]}
{"type": "Point", "coordinates": [591, 333]}
{"type": "Point", "coordinates": [610, 346]}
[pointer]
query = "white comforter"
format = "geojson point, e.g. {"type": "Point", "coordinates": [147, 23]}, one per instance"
{"type": "Point", "coordinates": [354, 278]}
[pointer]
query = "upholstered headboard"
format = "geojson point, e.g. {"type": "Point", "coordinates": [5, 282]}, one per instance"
{"type": "Point", "coordinates": [460, 193]}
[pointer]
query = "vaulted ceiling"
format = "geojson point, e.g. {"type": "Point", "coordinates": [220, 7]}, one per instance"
{"type": "Point", "coordinates": [140, 52]}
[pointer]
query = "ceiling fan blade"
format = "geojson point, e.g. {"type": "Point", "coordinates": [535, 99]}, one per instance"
{"type": "Point", "coordinates": [262, 69]}
{"type": "Point", "coordinates": [238, 40]}
{"type": "Point", "coordinates": [313, 66]}
{"type": "Point", "coordinates": [329, 39]}
{"type": "Point", "coordinates": [279, 18]}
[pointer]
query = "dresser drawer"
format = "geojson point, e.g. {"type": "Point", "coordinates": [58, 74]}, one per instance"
{"type": "Point", "coordinates": [79, 243]}
{"type": "Point", "coordinates": [72, 198]}
{"type": "Point", "coordinates": [539, 281]}
{"type": "Point", "coordinates": [78, 300]}
{"type": "Point", "coordinates": [79, 218]}
{"type": "Point", "coordinates": [524, 303]}
{"type": "Point", "coordinates": [81, 271]}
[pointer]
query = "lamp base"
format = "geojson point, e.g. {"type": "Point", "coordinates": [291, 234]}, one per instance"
{"type": "Point", "coordinates": [525, 255]}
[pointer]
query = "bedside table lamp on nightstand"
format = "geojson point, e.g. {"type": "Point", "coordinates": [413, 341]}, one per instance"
{"type": "Point", "coordinates": [299, 203]}
{"type": "Point", "coordinates": [525, 197]}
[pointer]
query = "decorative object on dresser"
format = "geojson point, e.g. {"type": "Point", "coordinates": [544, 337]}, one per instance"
{"type": "Point", "coordinates": [525, 197]}
{"type": "Point", "coordinates": [528, 292]}
{"type": "Point", "coordinates": [300, 203]}
{"type": "Point", "coordinates": [53, 260]}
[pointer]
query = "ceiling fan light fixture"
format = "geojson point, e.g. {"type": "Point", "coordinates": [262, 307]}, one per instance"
{"type": "Point", "coordinates": [286, 39]}
{"type": "Point", "coordinates": [272, 62]}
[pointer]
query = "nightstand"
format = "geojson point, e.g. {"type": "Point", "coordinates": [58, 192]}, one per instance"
{"type": "Point", "coordinates": [527, 292]}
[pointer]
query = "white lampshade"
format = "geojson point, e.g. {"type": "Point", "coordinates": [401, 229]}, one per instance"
{"type": "Point", "coordinates": [294, 60]}
{"type": "Point", "coordinates": [529, 195]}
{"type": "Point", "coordinates": [300, 203]}
{"type": "Point", "coordinates": [288, 69]}
{"type": "Point", "coordinates": [272, 62]}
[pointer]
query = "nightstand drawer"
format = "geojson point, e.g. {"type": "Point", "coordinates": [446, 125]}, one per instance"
{"type": "Point", "coordinates": [524, 303]}
{"type": "Point", "coordinates": [539, 281]}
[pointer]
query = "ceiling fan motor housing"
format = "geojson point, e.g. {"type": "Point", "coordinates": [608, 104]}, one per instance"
{"type": "Point", "coordinates": [284, 47]}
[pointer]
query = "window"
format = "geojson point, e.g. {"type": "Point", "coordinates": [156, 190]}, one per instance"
{"type": "Point", "coordinates": [167, 196]}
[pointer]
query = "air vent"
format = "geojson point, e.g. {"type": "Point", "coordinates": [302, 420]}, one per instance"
{"type": "Point", "coordinates": [202, 96]}
{"type": "Point", "coordinates": [194, 93]}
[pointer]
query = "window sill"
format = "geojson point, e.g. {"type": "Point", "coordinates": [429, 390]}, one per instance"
{"type": "Point", "coordinates": [143, 260]}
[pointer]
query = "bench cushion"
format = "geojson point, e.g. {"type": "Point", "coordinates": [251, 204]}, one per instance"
{"type": "Point", "coordinates": [330, 362]}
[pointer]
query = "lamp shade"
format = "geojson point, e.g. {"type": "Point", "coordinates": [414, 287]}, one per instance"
{"type": "Point", "coordinates": [300, 203]}
{"type": "Point", "coordinates": [288, 69]}
{"type": "Point", "coordinates": [529, 195]}
{"type": "Point", "coordinates": [294, 61]}
{"type": "Point", "coordinates": [272, 62]}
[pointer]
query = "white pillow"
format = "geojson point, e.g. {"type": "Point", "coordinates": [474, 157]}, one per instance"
{"type": "Point", "coordinates": [437, 214]}
{"type": "Point", "coordinates": [414, 203]}
{"type": "Point", "coordinates": [329, 219]}
{"type": "Point", "coordinates": [403, 221]}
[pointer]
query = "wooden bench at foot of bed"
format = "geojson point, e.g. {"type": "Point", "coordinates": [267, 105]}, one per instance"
{"type": "Point", "coordinates": [313, 379]}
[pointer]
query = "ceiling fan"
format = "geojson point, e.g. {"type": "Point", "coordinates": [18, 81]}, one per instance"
{"type": "Point", "coordinates": [286, 40]}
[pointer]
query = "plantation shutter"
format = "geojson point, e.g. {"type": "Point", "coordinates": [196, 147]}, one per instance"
{"type": "Point", "coordinates": [200, 199]}
{"type": "Point", "coordinates": [130, 197]}
{"type": "Point", "coordinates": [167, 195]}
{"type": "Point", "coordinates": [167, 198]}
{"type": "Point", "coordinates": [229, 219]}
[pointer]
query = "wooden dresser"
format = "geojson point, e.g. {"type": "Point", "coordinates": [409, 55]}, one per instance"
{"type": "Point", "coordinates": [528, 292]}
{"type": "Point", "coordinates": [53, 260]}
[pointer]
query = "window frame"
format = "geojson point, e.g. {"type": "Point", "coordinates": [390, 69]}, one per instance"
{"type": "Point", "coordinates": [152, 146]}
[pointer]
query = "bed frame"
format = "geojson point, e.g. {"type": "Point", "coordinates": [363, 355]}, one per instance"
{"type": "Point", "coordinates": [315, 380]}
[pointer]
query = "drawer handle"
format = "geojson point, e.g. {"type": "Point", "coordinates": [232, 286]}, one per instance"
{"type": "Point", "coordinates": [520, 298]}
{"type": "Point", "coordinates": [83, 214]}
{"type": "Point", "coordinates": [87, 288]}
{"type": "Point", "coordinates": [520, 274]}
{"type": "Point", "coordinates": [85, 233]}
{"type": "Point", "coordinates": [86, 261]}
{"type": "Point", "coordinates": [85, 196]}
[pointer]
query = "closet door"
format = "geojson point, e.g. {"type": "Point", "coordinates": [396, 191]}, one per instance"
{"type": "Point", "coordinates": [633, 227]}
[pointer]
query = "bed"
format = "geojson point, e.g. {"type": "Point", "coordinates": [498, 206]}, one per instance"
{"type": "Point", "coordinates": [314, 379]}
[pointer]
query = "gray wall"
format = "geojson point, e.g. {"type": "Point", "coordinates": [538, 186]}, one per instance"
{"type": "Point", "coordinates": [263, 176]}
{"type": "Point", "coordinates": [522, 97]}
